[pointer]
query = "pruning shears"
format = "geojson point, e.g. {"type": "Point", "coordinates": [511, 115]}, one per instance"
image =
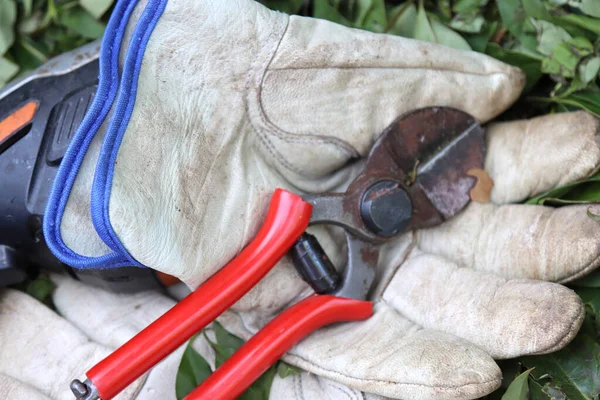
{"type": "Point", "coordinates": [418, 174]}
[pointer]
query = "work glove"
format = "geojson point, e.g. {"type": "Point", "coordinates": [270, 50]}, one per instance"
{"type": "Point", "coordinates": [215, 104]}
{"type": "Point", "coordinates": [43, 350]}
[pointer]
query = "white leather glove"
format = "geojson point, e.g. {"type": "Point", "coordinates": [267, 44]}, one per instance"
{"type": "Point", "coordinates": [42, 351]}
{"type": "Point", "coordinates": [233, 100]}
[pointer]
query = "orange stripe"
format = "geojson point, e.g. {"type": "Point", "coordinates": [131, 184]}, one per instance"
{"type": "Point", "coordinates": [17, 120]}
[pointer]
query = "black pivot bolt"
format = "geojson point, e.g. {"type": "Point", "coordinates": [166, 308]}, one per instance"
{"type": "Point", "coordinates": [386, 208]}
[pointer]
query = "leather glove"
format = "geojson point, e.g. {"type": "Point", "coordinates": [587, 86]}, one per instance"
{"type": "Point", "coordinates": [219, 103]}
{"type": "Point", "coordinates": [42, 351]}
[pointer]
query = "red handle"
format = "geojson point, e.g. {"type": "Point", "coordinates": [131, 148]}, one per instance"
{"type": "Point", "coordinates": [278, 336]}
{"type": "Point", "coordinates": [286, 220]}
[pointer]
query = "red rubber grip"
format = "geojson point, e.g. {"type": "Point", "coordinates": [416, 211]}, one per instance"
{"type": "Point", "coordinates": [278, 336]}
{"type": "Point", "coordinates": [287, 218]}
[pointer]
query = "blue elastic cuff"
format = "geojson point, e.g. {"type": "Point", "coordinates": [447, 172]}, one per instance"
{"type": "Point", "coordinates": [108, 85]}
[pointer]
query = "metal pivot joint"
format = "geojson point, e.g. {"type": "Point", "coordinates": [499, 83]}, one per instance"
{"type": "Point", "coordinates": [84, 390]}
{"type": "Point", "coordinates": [386, 208]}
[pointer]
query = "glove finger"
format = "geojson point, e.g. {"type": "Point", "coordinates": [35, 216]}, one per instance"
{"type": "Point", "coordinates": [112, 319]}
{"type": "Point", "coordinates": [43, 349]}
{"type": "Point", "coordinates": [519, 241]}
{"type": "Point", "coordinates": [347, 85]}
{"type": "Point", "coordinates": [529, 157]}
{"type": "Point", "coordinates": [107, 318]}
{"type": "Point", "coordinates": [304, 386]}
{"type": "Point", "coordinates": [391, 356]}
{"type": "Point", "coordinates": [16, 390]}
{"type": "Point", "coordinates": [483, 308]}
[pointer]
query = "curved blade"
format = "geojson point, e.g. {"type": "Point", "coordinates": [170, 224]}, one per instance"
{"type": "Point", "coordinates": [429, 152]}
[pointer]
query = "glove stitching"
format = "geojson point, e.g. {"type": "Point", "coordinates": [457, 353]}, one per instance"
{"type": "Point", "coordinates": [267, 127]}
{"type": "Point", "coordinates": [298, 387]}
{"type": "Point", "coordinates": [294, 137]}
{"type": "Point", "coordinates": [328, 373]}
{"type": "Point", "coordinates": [266, 144]}
{"type": "Point", "coordinates": [391, 68]}
{"type": "Point", "coordinates": [291, 137]}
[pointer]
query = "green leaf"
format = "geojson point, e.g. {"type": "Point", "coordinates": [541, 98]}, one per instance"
{"type": "Point", "coordinates": [588, 100]}
{"type": "Point", "coordinates": [591, 280]}
{"type": "Point", "coordinates": [581, 46]}
{"type": "Point", "coordinates": [565, 192]}
{"type": "Point", "coordinates": [467, 23]}
{"type": "Point", "coordinates": [8, 69]}
{"type": "Point", "coordinates": [445, 9]}
{"type": "Point", "coordinates": [514, 17]}
{"type": "Point", "coordinates": [81, 22]}
{"type": "Point", "coordinates": [423, 29]}
{"type": "Point", "coordinates": [566, 56]}
{"type": "Point", "coordinates": [27, 7]}
{"type": "Point", "coordinates": [536, 9]}
{"type": "Point", "coordinates": [468, 6]}
{"type": "Point", "coordinates": [371, 15]}
{"type": "Point", "coordinates": [284, 370]}
{"type": "Point", "coordinates": [546, 392]}
{"type": "Point", "coordinates": [403, 20]}
{"type": "Point", "coordinates": [8, 14]}
{"type": "Point", "coordinates": [431, 30]}
{"type": "Point", "coordinates": [31, 23]}
{"type": "Point", "coordinates": [193, 370]}
{"type": "Point", "coordinates": [549, 36]}
{"type": "Point", "coordinates": [553, 393]}
{"type": "Point", "coordinates": [589, 23]}
{"type": "Point", "coordinates": [226, 344]}
{"type": "Point", "coordinates": [567, 88]}
{"type": "Point", "coordinates": [96, 8]}
{"type": "Point", "coordinates": [589, 7]}
{"type": "Point", "coordinates": [528, 63]}
{"type": "Point", "coordinates": [518, 389]}
{"type": "Point", "coordinates": [261, 388]}
{"type": "Point", "coordinates": [535, 391]}
{"type": "Point", "coordinates": [40, 288]}
{"type": "Point", "coordinates": [575, 370]}
{"type": "Point", "coordinates": [480, 41]}
{"type": "Point", "coordinates": [591, 297]}
{"type": "Point", "coordinates": [448, 37]}
{"type": "Point", "coordinates": [286, 6]}
{"type": "Point", "coordinates": [225, 338]}
{"type": "Point", "coordinates": [588, 69]}
{"type": "Point", "coordinates": [29, 54]}
{"type": "Point", "coordinates": [322, 9]}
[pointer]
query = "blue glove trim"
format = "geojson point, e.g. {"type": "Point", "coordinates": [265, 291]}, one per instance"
{"type": "Point", "coordinates": [101, 188]}
{"type": "Point", "coordinates": [108, 84]}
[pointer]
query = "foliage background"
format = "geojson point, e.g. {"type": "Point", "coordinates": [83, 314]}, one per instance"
{"type": "Point", "coordinates": [556, 43]}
